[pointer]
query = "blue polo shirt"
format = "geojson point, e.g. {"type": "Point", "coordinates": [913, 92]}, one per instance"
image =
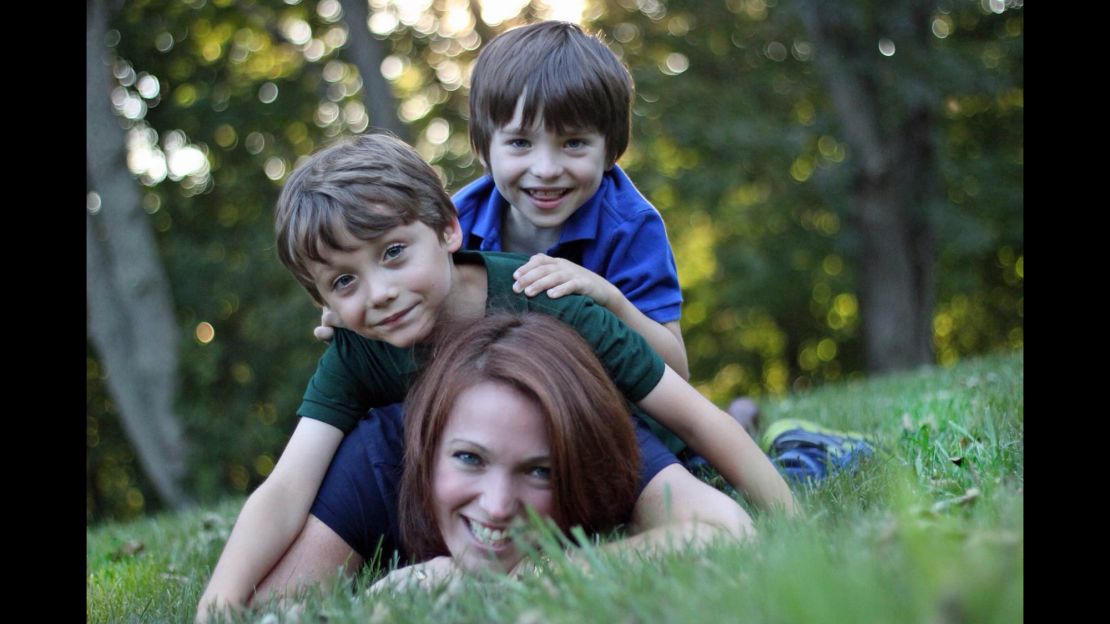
{"type": "Point", "coordinates": [616, 234]}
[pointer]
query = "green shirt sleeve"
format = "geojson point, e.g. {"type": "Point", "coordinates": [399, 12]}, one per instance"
{"type": "Point", "coordinates": [632, 364]}
{"type": "Point", "coordinates": [354, 375]}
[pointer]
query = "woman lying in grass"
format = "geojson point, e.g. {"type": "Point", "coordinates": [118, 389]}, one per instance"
{"type": "Point", "coordinates": [516, 412]}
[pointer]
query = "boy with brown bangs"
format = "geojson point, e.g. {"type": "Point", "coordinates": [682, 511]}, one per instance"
{"type": "Point", "coordinates": [550, 115]}
{"type": "Point", "coordinates": [365, 226]}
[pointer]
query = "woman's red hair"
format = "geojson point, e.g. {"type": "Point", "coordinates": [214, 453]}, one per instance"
{"type": "Point", "coordinates": [595, 460]}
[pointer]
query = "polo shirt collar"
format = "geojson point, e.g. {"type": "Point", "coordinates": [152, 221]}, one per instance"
{"type": "Point", "coordinates": [585, 223]}
{"type": "Point", "coordinates": [487, 223]}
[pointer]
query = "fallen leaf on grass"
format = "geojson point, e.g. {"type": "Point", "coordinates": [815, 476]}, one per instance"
{"type": "Point", "coordinates": [131, 548]}
{"type": "Point", "coordinates": [928, 421]}
{"type": "Point", "coordinates": [967, 498]}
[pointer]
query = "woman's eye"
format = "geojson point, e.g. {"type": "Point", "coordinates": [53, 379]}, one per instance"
{"type": "Point", "coordinates": [342, 282]}
{"type": "Point", "coordinates": [541, 472]}
{"type": "Point", "coordinates": [470, 459]}
{"type": "Point", "coordinates": [394, 251]}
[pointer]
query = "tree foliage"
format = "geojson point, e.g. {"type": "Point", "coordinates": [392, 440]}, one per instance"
{"type": "Point", "coordinates": [735, 139]}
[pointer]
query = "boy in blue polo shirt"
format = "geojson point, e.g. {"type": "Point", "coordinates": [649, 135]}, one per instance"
{"type": "Point", "coordinates": [550, 114]}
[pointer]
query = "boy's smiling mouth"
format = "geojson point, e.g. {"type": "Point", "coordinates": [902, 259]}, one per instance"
{"type": "Point", "coordinates": [546, 194]}
{"type": "Point", "coordinates": [547, 199]}
{"type": "Point", "coordinates": [394, 318]}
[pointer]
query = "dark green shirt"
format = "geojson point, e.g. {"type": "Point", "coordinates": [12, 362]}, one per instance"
{"type": "Point", "coordinates": [356, 373]}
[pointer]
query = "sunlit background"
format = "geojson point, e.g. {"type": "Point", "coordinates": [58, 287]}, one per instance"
{"type": "Point", "coordinates": [737, 141]}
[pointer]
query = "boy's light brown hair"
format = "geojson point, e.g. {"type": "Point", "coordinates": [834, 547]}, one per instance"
{"type": "Point", "coordinates": [366, 185]}
{"type": "Point", "coordinates": [567, 77]}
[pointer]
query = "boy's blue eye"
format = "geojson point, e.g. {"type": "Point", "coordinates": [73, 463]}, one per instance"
{"type": "Point", "coordinates": [575, 143]}
{"type": "Point", "coordinates": [393, 251]}
{"type": "Point", "coordinates": [519, 143]}
{"type": "Point", "coordinates": [342, 282]}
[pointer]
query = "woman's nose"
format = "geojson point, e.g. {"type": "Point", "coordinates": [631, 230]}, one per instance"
{"type": "Point", "coordinates": [499, 500]}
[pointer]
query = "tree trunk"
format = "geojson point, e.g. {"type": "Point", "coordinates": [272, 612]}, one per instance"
{"type": "Point", "coordinates": [130, 312]}
{"type": "Point", "coordinates": [895, 182]}
{"type": "Point", "coordinates": [366, 54]}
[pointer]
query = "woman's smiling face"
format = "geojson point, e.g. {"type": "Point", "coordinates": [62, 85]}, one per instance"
{"type": "Point", "coordinates": [493, 461]}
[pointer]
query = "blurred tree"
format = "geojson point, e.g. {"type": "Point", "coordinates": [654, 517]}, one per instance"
{"type": "Point", "coordinates": [130, 312]}
{"type": "Point", "coordinates": [741, 141]}
{"type": "Point", "coordinates": [737, 139]}
{"type": "Point", "coordinates": [217, 100]}
{"type": "Point", "coordinates": [365, 53]}
{"type": "Point", "coordinates": [886, 104]}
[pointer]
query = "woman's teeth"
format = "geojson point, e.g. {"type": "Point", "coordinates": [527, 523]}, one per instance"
{"type": "Point", "coordinates": [486, 535]}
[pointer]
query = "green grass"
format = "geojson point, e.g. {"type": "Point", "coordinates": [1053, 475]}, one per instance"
{"type": "Point", "coordinates": [931, 530]}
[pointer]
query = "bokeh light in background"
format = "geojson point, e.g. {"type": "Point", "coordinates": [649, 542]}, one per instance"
{"type": "Point", "coordinates": [205, 332]}
{"type": "Point", "coordinates": [219, 107]}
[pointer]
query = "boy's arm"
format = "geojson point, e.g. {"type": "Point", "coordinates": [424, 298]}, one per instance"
{"type": "Point", "coordinates": [559, 277]}
{"type": "Point", "coordinates": [675, 512]}
{"type": "Point", "coordinates": [718, 438]}
{"type": "Point", "coordinates": [272, 517]}
{"type": "Point", "coordinates": [678, 510]}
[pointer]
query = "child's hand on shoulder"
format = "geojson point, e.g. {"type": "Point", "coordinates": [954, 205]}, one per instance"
{"type": "Point", "coordinates": [328, 322]}
{"type": "Point", "coordinates": [559, 277]}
